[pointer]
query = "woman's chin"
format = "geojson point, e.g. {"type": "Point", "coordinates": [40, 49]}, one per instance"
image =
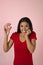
{"type": "Point", "coordinates": [23, 33]}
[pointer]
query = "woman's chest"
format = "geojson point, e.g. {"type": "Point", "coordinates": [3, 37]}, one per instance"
{"type": "Point", "coordinates": [19, 43]}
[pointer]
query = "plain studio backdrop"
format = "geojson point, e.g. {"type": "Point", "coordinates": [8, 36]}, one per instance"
{"type": "Point", "coordinates": [11, 11]}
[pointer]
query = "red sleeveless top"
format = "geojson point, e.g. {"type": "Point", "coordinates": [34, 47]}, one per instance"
{"type": "Point", "coordinates": [22, 54]}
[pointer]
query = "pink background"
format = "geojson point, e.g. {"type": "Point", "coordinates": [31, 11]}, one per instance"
{"type": "Point", "coordinates": [11, 11]}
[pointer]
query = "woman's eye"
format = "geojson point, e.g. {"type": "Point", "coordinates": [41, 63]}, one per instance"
{"type": "Point", "coordinates": [21, 25]}
{"type": "Point", "coordinates": [26, 25]}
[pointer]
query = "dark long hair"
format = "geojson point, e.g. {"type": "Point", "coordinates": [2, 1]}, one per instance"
{"type": "Point", "coordinates": [24, 19]}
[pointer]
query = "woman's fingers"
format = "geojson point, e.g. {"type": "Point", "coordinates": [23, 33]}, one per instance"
{"type": "Point", "coordinates": [28, 32]}
{"type": "Point", "coordinates": [10, 27]}
{"type": "Point", "coordinates": [7, 26]}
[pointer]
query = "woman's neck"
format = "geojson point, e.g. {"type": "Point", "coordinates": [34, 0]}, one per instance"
{"type": "Point", "coordinates": [22, 35]}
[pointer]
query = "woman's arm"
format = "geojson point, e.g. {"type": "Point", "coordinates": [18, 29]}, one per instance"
{"type": "Point", "coordinates": [31, 45]}
{"type": "Point", "coordinates": [7, 44]}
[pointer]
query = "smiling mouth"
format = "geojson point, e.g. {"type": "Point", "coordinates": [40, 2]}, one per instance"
{"type": "Point", "coordinates": [24, 31]}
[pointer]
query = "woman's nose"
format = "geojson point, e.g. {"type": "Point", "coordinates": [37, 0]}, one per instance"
{"type": "Point", "coordinates": [24, 28]}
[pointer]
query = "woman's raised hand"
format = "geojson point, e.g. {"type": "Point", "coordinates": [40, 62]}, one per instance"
{"type": "Point", "coordinates": [7, 28]}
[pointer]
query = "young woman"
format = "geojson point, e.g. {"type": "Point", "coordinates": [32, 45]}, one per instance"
{"type": "Point", "coordinates": [24, 41]}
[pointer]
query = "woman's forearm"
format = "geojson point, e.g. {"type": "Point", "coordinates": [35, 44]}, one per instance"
{"type": "Point", "coordinates": [5, 45]}
{"type": "Point", "coordinates": [30, 46]}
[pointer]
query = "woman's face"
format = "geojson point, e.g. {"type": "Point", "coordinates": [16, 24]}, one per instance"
{"type": "Point", "coordinates": [24, 26]}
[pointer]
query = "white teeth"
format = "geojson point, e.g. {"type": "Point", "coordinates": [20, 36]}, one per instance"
{"type": "Point", "coordinates": [24, 31]}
